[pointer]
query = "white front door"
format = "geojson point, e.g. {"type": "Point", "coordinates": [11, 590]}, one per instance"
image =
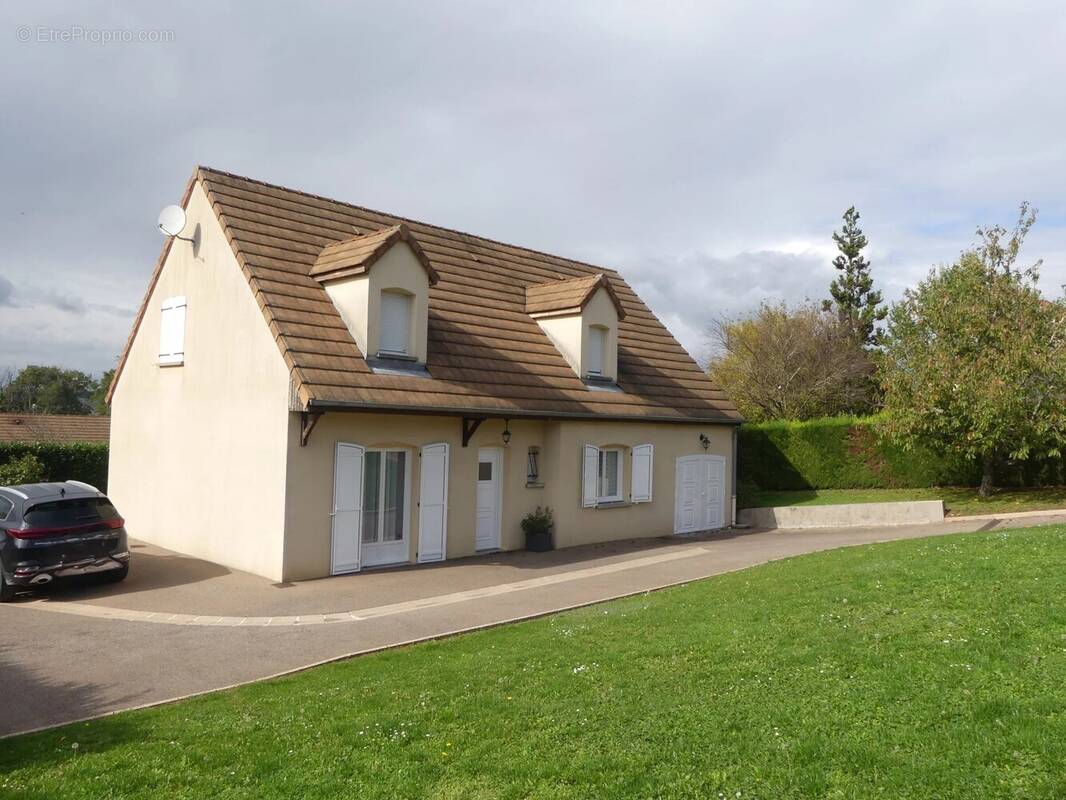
{"type": "Point", "coordinates": [489, 483]}
{"type": "Point", "coordinates": [699, 494]}
{"type": "Point", "coordinates": [433, 503]}
{"type": "Point", "coordinates": [347, 508]}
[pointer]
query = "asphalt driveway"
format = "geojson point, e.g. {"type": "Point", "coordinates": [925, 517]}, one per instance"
{"type": "Point", "coordinates": [181, 626]}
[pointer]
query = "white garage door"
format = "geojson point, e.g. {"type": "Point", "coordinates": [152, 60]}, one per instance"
{"type": "Point", "coordinates": [699, 494]}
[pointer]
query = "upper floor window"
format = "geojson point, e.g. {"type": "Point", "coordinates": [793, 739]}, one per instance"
{"type": "Point", "coordinates": [597, 350]}
{"type": "Point", "coordinates": [395, 334]}
{"type": "Point", "coordinates": [172, 331]}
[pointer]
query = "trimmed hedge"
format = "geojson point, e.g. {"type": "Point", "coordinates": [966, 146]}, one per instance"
{"type": "Point", "coordinates": [81, 461]}
{"type": "Point", "coordinates": [851, 453]}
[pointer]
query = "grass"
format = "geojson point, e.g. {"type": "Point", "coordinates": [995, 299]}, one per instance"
{"type": "Point", "coordinates": [925, 668]}
{"type": "Point", "coordinates": [958, 500]}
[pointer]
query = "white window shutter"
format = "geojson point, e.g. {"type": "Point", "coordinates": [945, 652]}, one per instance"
{"type": "Point", "coordinates": [643, 456]}
{"type": "Point", "coordinates": [172, 331]}
{"type": "Point", "coordinates": [590, 476]}
{"type": "Point", "coordinates": [395, 323]}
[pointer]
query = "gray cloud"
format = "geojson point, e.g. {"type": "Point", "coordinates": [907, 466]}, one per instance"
{"type": "Point", "coordinates": [7, 289]}
{"type": "Point", "coordinates": [711, 143]}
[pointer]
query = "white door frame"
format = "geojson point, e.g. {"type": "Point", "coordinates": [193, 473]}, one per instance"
{"type": "Point", "coordinates": [496, 457]}
{"type": "Point", "coordinates": [422, 558]}
{"type": "Point", "coordinates": [346, 568]}
{"type": "Point", "coordinates": [703, 458]}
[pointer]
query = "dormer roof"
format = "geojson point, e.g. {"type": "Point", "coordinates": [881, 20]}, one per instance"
{"type": "Point", "coordinates": [568, 296]}
{"type": "Point", "coordinates": [357, 254]}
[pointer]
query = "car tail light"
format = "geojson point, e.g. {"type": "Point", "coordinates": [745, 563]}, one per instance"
{"type": "Point", "coordinates": [40, 533]}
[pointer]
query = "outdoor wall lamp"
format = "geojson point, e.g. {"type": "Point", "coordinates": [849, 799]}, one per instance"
{"type": "Point", "coordinates": [704, 441]}
{"type": "Point", "coordinates": [506, 431]}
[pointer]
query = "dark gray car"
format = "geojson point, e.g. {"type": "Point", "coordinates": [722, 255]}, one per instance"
{"type": "Point", "coordinates": [58, 530]}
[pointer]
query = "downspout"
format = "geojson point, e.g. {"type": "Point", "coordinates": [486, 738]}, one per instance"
{"type": "Point", "coordinates": [736, 437]}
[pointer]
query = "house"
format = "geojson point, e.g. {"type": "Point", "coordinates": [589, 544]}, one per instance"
{"type": "Point", "coordinates": [53, 428]}
{"type": "Point", "coordinates": [314, 388]}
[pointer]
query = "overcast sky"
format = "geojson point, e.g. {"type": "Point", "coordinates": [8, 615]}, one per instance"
{"type": "Point", "coordinates": [707, 150]}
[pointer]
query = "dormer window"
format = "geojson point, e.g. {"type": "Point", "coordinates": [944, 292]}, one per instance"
{"type": "Point", "coordinates": [580, 316]}
{"type": "Point", "coordinates": [395, 336]}
{"type": "Point", "coordinates": [379, 283]}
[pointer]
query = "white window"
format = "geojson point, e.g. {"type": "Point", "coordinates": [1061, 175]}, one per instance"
{"type": "Point", "coordinates": [602, 476]}
{"type": "Point", "coordinates": [395, 323]}
{"type": "Point", "coordinates": [172, 331]}
{"type": "Point", "coordinates": [640, 486]}
{"type": "Point", "coordinates": [597, 349]}
{"type": "Point", "coordinates": [610, 476]}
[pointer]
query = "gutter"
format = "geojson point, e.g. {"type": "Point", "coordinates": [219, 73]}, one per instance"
{"type": "Point", "coordinates": [318, 406]}
{"type": "Point", "coordinates": [736, 440]}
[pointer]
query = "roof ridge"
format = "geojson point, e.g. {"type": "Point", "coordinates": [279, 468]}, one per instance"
{"type": "Point", "coordinates": [203, 168]}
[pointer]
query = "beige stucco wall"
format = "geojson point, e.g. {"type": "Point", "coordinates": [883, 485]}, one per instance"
{"type": "Point", "coordinates": [309, 494]}
{"type": "Point", "coordinates": [197, 460]}
{"type": "Point", "coordinates": [309, 490]}
{"type": "Point", "coordinates": [358, 299]}
{"type": "Point", "coordinates": [565, 443]}
{"type": "Point", "coordinates": [570, 334]}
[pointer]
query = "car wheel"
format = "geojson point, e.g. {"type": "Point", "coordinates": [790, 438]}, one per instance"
{"type": "Point", "coordinates": [116, 575]}
{"type": "Point", "coordinates": [7, 591]}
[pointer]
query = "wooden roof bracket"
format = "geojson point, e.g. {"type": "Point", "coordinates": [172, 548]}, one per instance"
{"type": "Point", "coordinates": [308, 420]}
{"type": "Point", "coordinates": [470, 426]}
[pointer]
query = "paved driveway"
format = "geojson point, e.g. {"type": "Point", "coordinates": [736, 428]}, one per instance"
{"type": "Point", "coordinates": [180, 626]}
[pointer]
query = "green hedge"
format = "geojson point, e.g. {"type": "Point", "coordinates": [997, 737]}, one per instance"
{"type": "Point", "coordinates": [82, 461]}
{"type": "Point", "coordinates": [851, 453]}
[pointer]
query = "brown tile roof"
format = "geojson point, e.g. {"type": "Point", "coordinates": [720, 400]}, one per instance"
{"type": "Point", "coordinates": [53, 428]}
{"type": "Point", "coordinates": [486, 354]}
{"type": "Point", "coordinates": [357, 254]}
{"type": "Point", "coordinates": [569, 295]}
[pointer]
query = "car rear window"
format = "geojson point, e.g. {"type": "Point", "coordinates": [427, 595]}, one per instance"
{"type": "Point", "coordinates": [81, 511]}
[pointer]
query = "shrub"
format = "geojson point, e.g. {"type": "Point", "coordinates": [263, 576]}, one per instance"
{"type": "Point", "coordinates": [24, 469]}
{"type": "Point", "coordinates": [538, 521]}
{"type": "Point", "coordinates": [81, 461]}
{"type": "Point", "coordinates": [854, 453]}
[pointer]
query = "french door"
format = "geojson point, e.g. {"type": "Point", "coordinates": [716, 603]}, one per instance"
{"type": "Point", "coordinates": [386, 493]}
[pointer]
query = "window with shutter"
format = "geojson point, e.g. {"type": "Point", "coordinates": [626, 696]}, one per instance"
{"type": "Point", "coordinates": [395, 323]}
{"type": "Point", "coordinates": [172, 332]}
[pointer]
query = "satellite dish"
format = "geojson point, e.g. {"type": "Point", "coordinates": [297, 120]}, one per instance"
{"type": "Point", "coordinates": [172, 220]}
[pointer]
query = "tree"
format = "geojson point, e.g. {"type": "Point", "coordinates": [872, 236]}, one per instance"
{"type": "Point", "coordinates": [854, 299]}
{"type": "Point", "coordinates": [974, 362]}
{"type": "Point", "coordinates": [99, 396]}
{"type": "Point", "coordinates": [48, 390]}
{"type": "Point", "coordinates": [997, 251]}
{"type": "Point", "coordinates": [798, 363]}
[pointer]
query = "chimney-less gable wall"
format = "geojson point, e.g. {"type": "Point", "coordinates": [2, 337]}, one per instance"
{"type": "Point", "coordinates": [198, 450]}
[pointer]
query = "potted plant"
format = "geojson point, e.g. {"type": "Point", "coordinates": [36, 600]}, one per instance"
{"type": "Point", "coordinates": [538, 526]}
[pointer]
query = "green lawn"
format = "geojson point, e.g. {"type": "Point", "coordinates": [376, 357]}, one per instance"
{"type": "Point", "coordinates": [928, 669]}
{"type": "Point", "coordinates": [958, 500]}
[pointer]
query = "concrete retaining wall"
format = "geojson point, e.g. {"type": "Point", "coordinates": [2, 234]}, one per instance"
{"type": "Point", "coordinates": [849, 515]}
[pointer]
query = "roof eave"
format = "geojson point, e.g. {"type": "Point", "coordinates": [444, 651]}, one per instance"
{"type": "Point", "coordinates": [495, 413]}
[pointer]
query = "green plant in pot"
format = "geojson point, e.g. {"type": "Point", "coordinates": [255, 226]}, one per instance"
{"type": "Point", "coordinates": [538, 526]}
